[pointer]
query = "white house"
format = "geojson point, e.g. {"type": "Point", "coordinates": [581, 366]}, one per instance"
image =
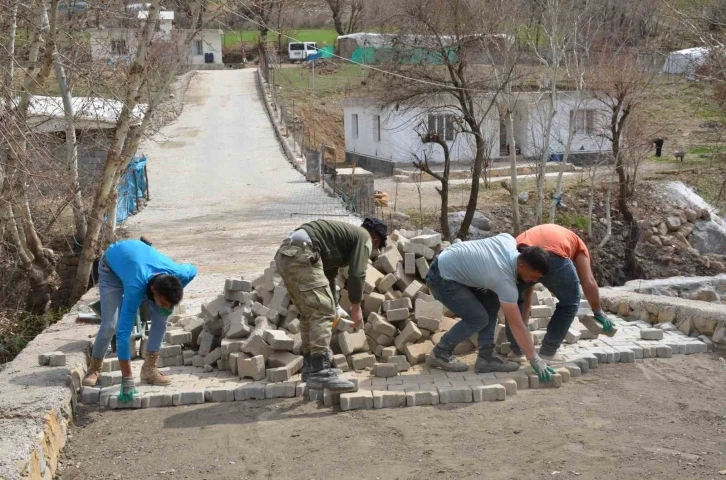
{"type": "Point", "coordinates": [378, 137]}
{"type": "Point", "coordinates": [685, 62]}
{"type": "Point", "coordinates": [117, 45]}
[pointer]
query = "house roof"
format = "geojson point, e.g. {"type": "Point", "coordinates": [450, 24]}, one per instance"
{"type": "Point", "coordinates": [47, 113]}
{"type": "Point", "coordinates": [163, 15]}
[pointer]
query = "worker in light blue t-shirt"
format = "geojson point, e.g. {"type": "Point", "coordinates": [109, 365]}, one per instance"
{"type": "Point", "coordinates": [129, 273]}
{"type": "Point", "coordinates": [472, 279]}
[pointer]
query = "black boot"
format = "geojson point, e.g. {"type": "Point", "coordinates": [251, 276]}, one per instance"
{"type": "Point", "coordinates": [306, 367]}
{"type": "Point", "coordinates": [488, 361]}
{"type": "Point", "coordinates": [445, 360]}
{"type": "Point", "coordinates": [322, 377]}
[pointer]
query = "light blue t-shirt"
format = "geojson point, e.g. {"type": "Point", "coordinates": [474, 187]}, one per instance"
{"type": "Point", "coordinates": [490, 263]}
{"type": "Point", "coordinates": [135, 264]}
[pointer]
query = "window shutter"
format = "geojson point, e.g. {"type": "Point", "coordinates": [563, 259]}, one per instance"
{"type": "Point", "coordinates": [432, 123]}
{"type": "Point", "coordinates": [591, 116]}
{"type": "Point", "coordinates": [449, 128]}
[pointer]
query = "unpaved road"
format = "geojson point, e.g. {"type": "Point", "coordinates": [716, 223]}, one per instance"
{"type": "Point", "coordinates": [655, 419]}
{"type": "Point", "coordinates": [223, 196]}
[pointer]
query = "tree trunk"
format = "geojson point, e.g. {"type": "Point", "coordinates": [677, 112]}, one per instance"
{"type": "Point", "coordinates": [514, 192]}
{"type": "Point", "coordinates": [70, 132]}
{"type": "Point", "coordinates": [114, 162]}
{"type": "Point", "coordinates": [474, 195]}
{"type": "Point", "coordinates": [542, 167]}
{"type": "Point", "coordinates": [561, 173]}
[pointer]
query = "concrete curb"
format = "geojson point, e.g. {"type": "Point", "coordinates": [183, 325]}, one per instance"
{"type": "Point", "coordinates": [294, 160]}
{"type": "Point", "coordinates": [37, 403]}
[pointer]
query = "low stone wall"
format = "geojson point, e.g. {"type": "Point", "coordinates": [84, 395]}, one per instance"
{"type": "Point", "coordinates": [372, 164]}
{"type": "Point", "coordinates": [66, 268]}
{"type": "Point", "coordinates": [692, 317]}
{"type": "Point", "coordinates": [37, 403]}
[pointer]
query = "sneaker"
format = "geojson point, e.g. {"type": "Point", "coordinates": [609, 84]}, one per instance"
{"type": "Point", "coordinates": [489, 361]}
{"type": "Point", "coordinates": [322, 377]}
{"type": "Point", "coordinates": [445, 361]}
{"type": "Point", "coordinates": [516, 357]}
{"type": "Point", "coordinates": [552, 359]}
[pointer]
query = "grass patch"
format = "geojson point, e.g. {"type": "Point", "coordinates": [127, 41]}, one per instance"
{"type": "Point", "coordinates": [572, 220]}
{"type": "Point", "coordinates": [706, 149]}
{"type": "Point", "coordinates": [322, 36]}
{"type": "Point", "coordinates": [15, 334]}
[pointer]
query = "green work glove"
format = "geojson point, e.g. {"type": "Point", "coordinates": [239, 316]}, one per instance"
{"type": "Point", "coordinates": [544, 371]}
{"type": "Point", "coordinates": [607, 324]}
{"type": "Point", "coordinates": [128, 390]}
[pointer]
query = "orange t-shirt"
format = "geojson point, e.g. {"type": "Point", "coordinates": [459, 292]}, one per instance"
{"type": "Point", "coordinates": [554, 238]}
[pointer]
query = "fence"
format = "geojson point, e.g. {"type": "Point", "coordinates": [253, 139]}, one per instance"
{"type": "Point", "coordinates": [134, 184]}
{"type": "Point", "coordinates": [355, 189]}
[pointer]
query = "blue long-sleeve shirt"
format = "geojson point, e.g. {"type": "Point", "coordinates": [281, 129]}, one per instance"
{"type": "Point", "coordinates": [135, 263]}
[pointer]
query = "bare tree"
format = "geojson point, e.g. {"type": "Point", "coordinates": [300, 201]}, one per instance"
{"type": "Point", "coordinates": [433, 137]}
{"type": "Point", "coordinates": [347, 15]}
{"type": "Point", "coordinates": [438, 64]}
{"type": "Point", "coordinates": [268, 14]}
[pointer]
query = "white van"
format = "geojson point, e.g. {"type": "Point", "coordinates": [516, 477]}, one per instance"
{"type": "Point", "coordinates": [300, 51]}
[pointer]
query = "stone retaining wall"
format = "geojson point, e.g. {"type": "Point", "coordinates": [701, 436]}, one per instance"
{"type": "Point", "coordinates": [692, 317]}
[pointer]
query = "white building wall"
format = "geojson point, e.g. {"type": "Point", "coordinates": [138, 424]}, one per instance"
{"type": "Point", "coordinates": [101, 41]}
{"type": "Point", "coordinates": [211, 43]}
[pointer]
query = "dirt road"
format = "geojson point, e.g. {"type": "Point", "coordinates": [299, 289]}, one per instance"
{"type": "Point", "coordinates": [659, 419]}
{"type": "Point", "coordinates": [223, 196]}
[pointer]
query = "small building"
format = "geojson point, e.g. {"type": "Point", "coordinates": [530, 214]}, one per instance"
{"type": "Point", "coordinates": [379, 138]}
{"type": "Point", "coordinates": [685, 62]}
{"type": "Point", "coordinates": [116, 45]}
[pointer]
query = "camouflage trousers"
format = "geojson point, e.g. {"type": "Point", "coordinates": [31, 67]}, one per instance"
{"type": "Point", "coordinates": [302, 271]}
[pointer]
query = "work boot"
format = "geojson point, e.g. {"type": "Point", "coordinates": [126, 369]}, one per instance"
{"type": "Point", "coordinates": [444, 360]}
{"type": "Point", "coordinates": [322, 377]}
{"type": "Point", "coordinates": [93, 372]}
{"type": "Point", "coordinates": [489, 361]}
{"type": "Point", "coordinates": [306, 367]}
{"type": "Point", "coordinates": [150, 374]}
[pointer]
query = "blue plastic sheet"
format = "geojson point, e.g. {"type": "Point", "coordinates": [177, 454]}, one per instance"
{"type": "Point", "coordinates": [131, 187]}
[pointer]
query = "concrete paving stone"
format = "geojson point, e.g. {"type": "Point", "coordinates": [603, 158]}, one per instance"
{"type": "Point", "coordinates": [278, 340]}
{"type": "Point", "coordinates": [250, 391]}
{"type": "Point", "coordinates": [382, 326]}
{"type": "Point", "coordinates": [389, 399]}
{"type": "Point", "coordinates": [383, 341]}
{"type": "Point", "coordinates": [331, 398]}
{"type": "Point", "coordinates": [591, 324]}
{"type": "Point", "coordinates": [417, 398]}
{"type": "Point", "coordinates": [424, 309]}
{"type": "Point", "coordinates": [510, 385]}
{"type": "Point", "coordinates": [212, 357]}
{"type": "Point", "coordinates": [413, 289]}
{"type": "Point", "coordinates": [188, 397]}
{"type": "Point", "coordinates": [255, 346]}
{"type": "Point", "coordinates": [540, 311]}
{"type": "Point", "coordinates": [399, 303]}
{"type": "Point", "coordinates": [219, 394]}
{"type": "Point", "coordinates": [416, 353]}
{"type": "Point", "coordinates": [253, 367]}
{"type": "Point", "coordinates": [90, 395]}
{"type": "Point", "coordinates": [564, 373]}
{"type": "Point", "coordinates": [281, 390]}
{"type": "Point", "coordinates": [397, 315]}
{"type": "Point", "coordinates": [385, 370]}
{"type": "Point", "coordinates": [441, 383]}
{"type": "Point", "coordinates": [339, 361]}
{"type": "Point", "coordinates": [574, 369]}
{"type": "Point", "coordinates": [583, 364]}
{"type": "Point", "coordinates": [360, 400]}
{"type": "Point", "coordinates": [430, 324]}
{"type": "Point", "coordinates": [708, 342]}
{"type": "Point", "coordinates": [157, 400]}
{"type": "Point", "coordinates": [372, 303]}
{"type": "Point", "coordinates": [281, 374]}
{"type": "Point", "coordinates": [114, 403]}
{"type": "Point", "coordinates": [401, 362]}
{"type": "Point", "coordinates": [351, 343]}
{"type": "Point", "coordinates": [167, 351]}
{"type": "Point", "coordinates": [110, 365]}
{"type": "Point", "coordinates": [107, 379]}
{"type": "Point", "coordinates": [388, 260]}
{"type": "Point", "coordinates": [301, 389]}
{"type": "Point", "coordinates": [361, 361]}
{"type": "Point", "coordinates": [626, 355]}
{"type": "Point", "coordinates": [488, 393]}
{"type": "Point", "coordinates": [573, 336]}
{"type": "Point", "coordinates": [386, 283]}
{"type": "Point", "coordinates": [651, 334]}
{"type": "Point", "coordinates": [178, 337]}
{"type": "Point", "coordinates": [696, 347]}
{"type": "Point", "coordinates": [455, 394]}
{"type": "Point", "coordinates": [402, 387]}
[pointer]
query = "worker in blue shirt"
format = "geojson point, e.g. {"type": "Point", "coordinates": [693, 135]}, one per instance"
{"type": "Point", "coordinates": [131, 272]}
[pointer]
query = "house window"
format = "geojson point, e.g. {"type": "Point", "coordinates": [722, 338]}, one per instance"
{"type": "Point", "coordinates": [376, 128]}
{"type": "Point", "coordinates": [354, 125]}
{"type": "Point", "coordinates": [584, 121]}
{"type": "Point", "coordinates": [198, 47]}
{"type": "Point", "coordinates": [442, 125]}
{"type": "Point", "coordinates": [118, 47]}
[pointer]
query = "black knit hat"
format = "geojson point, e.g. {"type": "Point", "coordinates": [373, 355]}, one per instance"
{"type": "Point", "coordinates": [377, 226]}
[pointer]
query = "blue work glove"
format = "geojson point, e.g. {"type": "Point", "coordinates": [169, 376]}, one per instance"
{"type": "Point", "coordinates": [128, 390]}
{"type": "Point", "coordinates": [607, 324]}
{"type": "Point", "coordinates": [544, 371]}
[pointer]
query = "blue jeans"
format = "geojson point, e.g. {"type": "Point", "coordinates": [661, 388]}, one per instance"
{"type": "Point", "coordinates": [112, 292]}
{"type": "Point", "coordinates": [477, 307]}
{"type": "Point", "coordinates": [562, 281]}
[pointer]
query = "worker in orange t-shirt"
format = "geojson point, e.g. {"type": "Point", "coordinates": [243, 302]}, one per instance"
{"type": "Point", "coordinates": [569, 266]}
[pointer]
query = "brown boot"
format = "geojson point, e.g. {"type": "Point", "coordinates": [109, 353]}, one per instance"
{"type": "Point", "coordinates": [93, 372]}
{"type": "Point", "coordinates": [151, 374]}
